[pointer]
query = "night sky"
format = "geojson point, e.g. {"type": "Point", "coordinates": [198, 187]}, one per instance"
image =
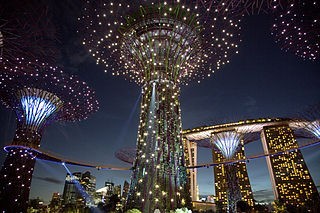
{"type": "Point", "coordinates": [261, 81]}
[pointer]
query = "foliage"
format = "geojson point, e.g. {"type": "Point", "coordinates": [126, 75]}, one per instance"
{"type": "Point", "coordinates": [133, 211]}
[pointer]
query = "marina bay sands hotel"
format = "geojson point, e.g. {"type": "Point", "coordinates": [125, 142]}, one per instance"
{"type": "Point", "coordinates": [289, 175]}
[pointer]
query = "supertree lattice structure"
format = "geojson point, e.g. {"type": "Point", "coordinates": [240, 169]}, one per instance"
{"type": "Point", "coordinates": [243, 6]}
{"type": "Point", "coordinates": [39, 94]}
{"type": "Point", "coordinates": [159, 45]}
{"type": "Point", "coordinates": [27, 31]}
{"type": "Point", "coordinates": [126, 154]}
{"type": "Point", "coordinates": [297, 28]}
{"type": "Point", "coordinates": [228, 143]}
{"type": "Point", "coordinates": [310, 121]}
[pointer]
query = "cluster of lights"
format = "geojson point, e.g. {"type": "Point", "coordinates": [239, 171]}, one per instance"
{"type": "Point", "coordinates": [297, 29]}
{"type": "Point", "coordinates": [246, 6]}
{"type": "Point", "coordinates": [28, 82]}
{"type": "Point", "coordinates": [15, 179]}
{"type": "Point", "coordinates": [178, 41]}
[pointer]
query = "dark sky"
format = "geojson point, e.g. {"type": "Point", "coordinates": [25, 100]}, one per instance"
{"type": "Point", "coordinates": [261, 81]}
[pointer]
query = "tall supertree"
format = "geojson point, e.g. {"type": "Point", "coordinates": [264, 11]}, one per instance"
{"type": "Point", "coordinates": [39, 95]}
{"type": "Point", "coordinates": [159, 45]}
{"type": "Point", "coordinates": [296, 28]}
{"type": "Point", "coordinates": [228, 143]}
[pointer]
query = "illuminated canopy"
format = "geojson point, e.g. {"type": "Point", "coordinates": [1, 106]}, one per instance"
{"type": "Point", "coordinates": [36, 91]}
{"type": "Point", "coordinates": [180, 39]}
{"type": "Point", "coordinates": [226, 142]}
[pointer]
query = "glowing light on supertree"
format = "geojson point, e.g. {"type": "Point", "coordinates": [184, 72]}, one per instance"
{"type": "Point", "coordinates": [243, 6]}
{"type": "Point", "coordinates": [297, 28]}
{"type": "Point", "coordinates": [27, 31]}
{"type": "Point", "coordinates": [39, 94]}
{"type": "Point", "coordinates": [228, 143]}
{"type": "Point", "coordinates": [159, 45]}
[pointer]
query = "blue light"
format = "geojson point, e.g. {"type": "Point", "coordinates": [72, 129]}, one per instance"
{"type": "Point", "coordinates": [36, 109]}
{"type": "Point", "coordinates": [227, 142]}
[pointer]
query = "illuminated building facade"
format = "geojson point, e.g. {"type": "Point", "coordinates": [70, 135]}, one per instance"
{"type": "Point", "coordinates": [88, 182]}
{"type": "Point", "coordinates": [221, 185]}
{"type": "Point", "coordinates": [125, 191]}
{"type": "Point", "coordinates": [79, 189]}
{"type": "Point", "coordinates": [71, 193]}
{"type": "Point", "coordinates": [290, 177]}
{"type": "Point", "coordinates": [190, 153]}
{"type": "Point", "coordinates": [109, 187]}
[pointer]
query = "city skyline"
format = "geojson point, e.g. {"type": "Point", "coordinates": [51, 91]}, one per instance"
{"type": "Point", "coordinates": [235, 92]}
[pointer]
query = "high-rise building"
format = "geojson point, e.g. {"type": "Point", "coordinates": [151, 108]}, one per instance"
{"type": "Point", "coordinates": [221, 185]}
{"type": "Point", "coordinates": [290, 177]}
{"type": "Point", "coordinates": [71, 194]}
{"type": "Point", "coordinates": [55, 203]}
{"type": "Point", "coordinates": [88, 182]}
{"type": "Point", "coordinates": [110, 188]}
{"type": "Point", "coordinates": [79, 189]}
{"type": "Point", "coordinates": [125, 191]}
{"type": "Point", "coordinates": [117, 190]}
{"type": "Point", "coordinates": [190, 154]}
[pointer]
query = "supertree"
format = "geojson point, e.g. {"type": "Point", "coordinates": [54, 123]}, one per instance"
{"type": "Point", "coordinates": [159, 45]}
{"type": "Point", "coordinates": [127, 154]}
{"type": "Point", "coordinates": [228, 142]}
{"type": "Point", "coordinates": [297, 28]}
{"type": "Point", "coordinates": [27, 31]}
{"type": "Point", "coordinates": [39, 95]}
{"type": "Point", "coordinates": [310, 121]}
{"type": "Point", "coordinates": [243, 6]}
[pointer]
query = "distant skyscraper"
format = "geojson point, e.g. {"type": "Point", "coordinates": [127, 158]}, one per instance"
{"type": "Point", "coordinates": [117, 190]}
{"type": "Point", "coordinates": [125, 191]}
{"type": "Point", "coordinates": [221, 185]}
{"type": "Point", "coordinates": [71, 193]}
{"type": "Point", "coordinates": [290, 177]}
{"type": "Point", "coordinates": [55, 203]}
{"type": "Point", "coordinates": [79, 189]}
{"type": "Point", "coordinates": [88, 183]}
{"type": "Point", "coordinates": [110, 188]}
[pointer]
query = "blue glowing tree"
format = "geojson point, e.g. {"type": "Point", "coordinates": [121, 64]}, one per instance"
{"type": "Point", "coordinates": [228, 143]}
{"type": "Point", "coordinates": [39, 94]}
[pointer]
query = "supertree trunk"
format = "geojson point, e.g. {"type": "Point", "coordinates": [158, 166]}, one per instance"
{"type": "Point", "coordinates": [16, 172]}
{"type": "Point", "coordinates": [159, 179]}
{"type": "Point", "coordinates": [233, 191]}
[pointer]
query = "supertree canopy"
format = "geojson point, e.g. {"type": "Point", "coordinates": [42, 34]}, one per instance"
{"type": "Point", "coordinates": [160, 45]}
{"type": "Point", "coordinates": [126, 154]}
{"type": "Point", "coordinates": [243, 6]}
{"type": "Point", "coordinates": [297, 28]}
{"type": "Point", "coordinates": [39, 94]}
{"type": "Point", "coordinates": [27, 31]}
{"type": "Point", "coordinates": [228, 143]}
